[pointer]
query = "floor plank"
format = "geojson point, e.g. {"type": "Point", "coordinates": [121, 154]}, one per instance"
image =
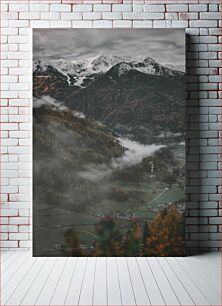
{"type": "Point", "coordinates": [211, 260]}
{"type": "Point", "coordinates": [11, 261]}
{"type": "Point", "coordinates": [208, 292]}
{"type": "Point", "coordinates": [166, 289]}
{"type": "Point", "coordinates": [86, 294]}
{"type": "Point", "coordinates": [36, 287]}
{"type": "Point", "coordinates": [213, 279]}
{"type": "Point", "coordinates": [180, 291]}
{"type": "Point", "coordinates": [47, 291]}
{"type": "Point", "coordinates": [113, 285]}
{"type": "Point", "coordinates": [5, 255]}
{"type": "Point", "coordinates": [18, 294]}
{"type": "Point", "coordinates": [152, 287]}
{"type": "Point", "coordinates": [100, 283]}
{"type": "Point", "coordinates": [127, 292]}
{"type": "Point", "coordinates": [137, 281]}
{"type": "Point", "coordinates": [13, 269]}
{"type": "Point", "coordinates": [75, 286]}
{"type": "Point", "coordinates": [62, 288]}
{"type": "Point", "coordinates": [191, 287]}
{"type": "Point", "coordinates": [17, 279]}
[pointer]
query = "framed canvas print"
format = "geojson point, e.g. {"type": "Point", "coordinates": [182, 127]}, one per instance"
{"type": "Point", "coordinates": [108, 142]}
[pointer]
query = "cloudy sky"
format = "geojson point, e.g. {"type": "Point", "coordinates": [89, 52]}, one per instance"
{"type": "Point", "coordinates": [167, 46]}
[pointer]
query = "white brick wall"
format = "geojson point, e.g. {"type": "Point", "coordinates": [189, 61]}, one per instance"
{"type": "Point", "coordinates": [201, 19]}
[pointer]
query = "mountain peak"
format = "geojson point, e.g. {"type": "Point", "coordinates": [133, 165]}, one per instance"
{"type": "Point", "coordinates": [78, 73]}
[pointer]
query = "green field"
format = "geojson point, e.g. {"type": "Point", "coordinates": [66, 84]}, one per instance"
{"type": "Point", "coordinates": [170, 195]}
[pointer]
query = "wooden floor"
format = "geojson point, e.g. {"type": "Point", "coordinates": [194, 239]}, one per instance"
{"type": "Point", "coordinates": [110, 281]}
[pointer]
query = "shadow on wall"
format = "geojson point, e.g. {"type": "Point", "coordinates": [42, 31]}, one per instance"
{"type": "Point", "coordinates": [193, 171]}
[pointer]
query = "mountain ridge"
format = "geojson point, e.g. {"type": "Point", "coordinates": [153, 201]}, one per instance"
{"type": "Point", "coordinates": [76, 73]}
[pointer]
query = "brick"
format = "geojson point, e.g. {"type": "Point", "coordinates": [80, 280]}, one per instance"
{"type": "Point", "coordinates": [29, 15]}
{"type": "Point", "coordinates": [138, 23]}
{"type": "Point", "coordinates": [147, 24]}
{"type": "Point", "coordinates": [208, 205]}
{"type": "Point", "coordinates": [19, 71]}
{"type": "Point", "coordinates": [207, 15]}
{"type": "Point", "coordinates": [4, 7]}
{"type": "Point", "coordinates": [24, 126]}
{"type": "Point", "coordinates": [9, 126]}
{"type": "Point", "coordinates": [204, 31]}
{"type": "Point", "coordinates": [19, 102]}
{"type": "Point", "coordinates": [39, 7]}
{"type": "Point", "coordinates": [9, 173]}
{"type": "Point", "coordinates": [208, 39]}
{"type": "Point", "coordinates": [9, 31]}
{"type": "Point", "coordinates": [71, 16]}
{"type": "Point", "coordinates": [13, 47]}
{"type": "Point", "coordinates": [25, 244]}
{"type": "Point", "coordinates": [3, 220]}
{"type": "Point", "coordinates": [135, 15]}
{"type": "Point", "coordinates": [24, 229]}
{"type": "Point", "coordinates": [122, 23]}
{"type": "Point", "coordinates": [19, 118]}
{"type": "Point", "coordinates": [9, 212]}
{"type": "Point", "coordinates": [112, 15]}
{"type": "Point", "coordinates": [177, 8]}
{"type": "Point", "coordinates": [188, 16]}
{"type": "Point", "coordinates": [18, 23]}
{"type": "Point", "coordinates": [19, 39]}
{"type": "Point", "coordinates": [154, 8]}
{"type": "Point", "coordinates": [102, 7]}
{"type": "Point", "coordinates": [19, 7]}
{"type": "Point", "coordinates": [60, 24]}
{"type": "Point", "coordinates": [60, 8]}
{"type": "Point", "coordinates": [19, 220]}
{"type": "Point", "coordinates": [18, 236]}
{"type": "Point", "coordinates": [19, 149]}
{"type": "Point", "coordinates": [9, 142]}
{"type": "Point", "coordinates": [9, 228]}
{"type": "Point", "coordinates": [9, 63]}
{"type": "Point", "coordinates": [180, 23]}
{"type": "Point", "coordinates": [215, 220]}
{"type": "Point", "coordinates": [39, 24]}
{"type": "Point", "coordinates": [171, 16]}
{"type": "Point", "coordinates": [215, 63]}
{"type": "Point", "coordinates": [216, 31]}
{"type": "Point", "coordinates": [24, 212]}
{"type": "Point", "coordinates": [137, 7]}
{"type": "Point", "coordinates": [82, 8]}
{"type": "Point", "coordinates": [162, 24]}
{"type": "Point", "coordinates": [8, 244]}
{"type": "Point", "coordinates": [213, 7]}
{"type": "Point", "coordinates": [82, 24]}
{"type": "Point", "coordinates": [203, 23]}
{"type": "Point", "coordinates": [92, 15]}
{"type": "Point", "coordinates": [102, 24]}
{"type": "Point", "coordinates": [197, 7]}
{"type": "Point", "coordinates": [121, 7]}
{"type": "Point", "coordinates": [52, 15]}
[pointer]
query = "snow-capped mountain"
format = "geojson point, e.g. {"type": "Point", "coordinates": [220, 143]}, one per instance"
{"type": "Point", "coordinates": [78, 72]}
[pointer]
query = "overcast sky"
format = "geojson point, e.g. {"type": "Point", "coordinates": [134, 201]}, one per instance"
{"type": "Point", "coordinates": [167, 46]}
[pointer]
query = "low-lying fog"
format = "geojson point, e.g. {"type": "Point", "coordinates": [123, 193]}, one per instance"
{"type": "Point", "coordinates": [134, 154]}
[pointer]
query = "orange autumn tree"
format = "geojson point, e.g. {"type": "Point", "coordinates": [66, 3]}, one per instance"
{"type": "Point", "coordinates": [166, 234]}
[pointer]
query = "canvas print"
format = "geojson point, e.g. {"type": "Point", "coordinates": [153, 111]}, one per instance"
{"type": "Point", "coordinates": [108, 142]}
